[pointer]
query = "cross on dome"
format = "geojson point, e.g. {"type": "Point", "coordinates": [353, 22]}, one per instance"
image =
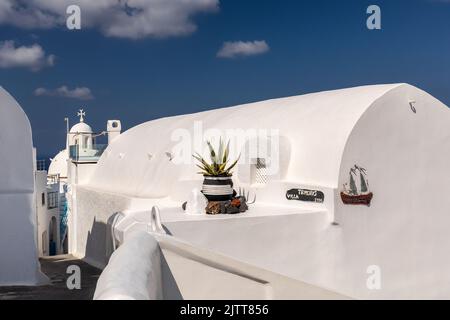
{"type": "Point", "coordinates": [81, 114]}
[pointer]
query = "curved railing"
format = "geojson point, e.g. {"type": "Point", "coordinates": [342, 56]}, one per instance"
{"type": "Point", "coordinates": [133, 271]}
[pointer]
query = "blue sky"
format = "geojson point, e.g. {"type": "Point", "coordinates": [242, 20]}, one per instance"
{"type": "Point", "coordinates": [314, 45]}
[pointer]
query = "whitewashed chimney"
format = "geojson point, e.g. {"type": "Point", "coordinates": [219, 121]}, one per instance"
{"type": "Point", "coordinates": [114, 127]}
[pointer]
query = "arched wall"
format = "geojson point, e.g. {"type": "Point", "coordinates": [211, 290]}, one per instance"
{"type": "Point", "coordinates": [18, 250]}
{"type": "Point", "coordinates": [406, 230]}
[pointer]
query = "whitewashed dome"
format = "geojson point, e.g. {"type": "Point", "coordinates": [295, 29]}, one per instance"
{"type": "Point", "coordinates": [58, 166]}
{"type": "Point", "coordinates": [81, 128]}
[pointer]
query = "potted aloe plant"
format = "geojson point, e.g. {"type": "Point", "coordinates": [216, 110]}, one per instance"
{"type": "Point", "coordinates": [217, 183]}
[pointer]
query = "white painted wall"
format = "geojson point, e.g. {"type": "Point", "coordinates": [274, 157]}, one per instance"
{"type": "Point", "coordinates": [406, 231]}
{"type": "Point", "coordinates": [89, 234]}
{"type": "Point", "coordinates": [19, 263]}
{"type": "Point", "coordinates": [153, 266]}
{"type": "Point", "coordinates": [45, 215]}
{"type": "Point", "coordinates": [41, 210]}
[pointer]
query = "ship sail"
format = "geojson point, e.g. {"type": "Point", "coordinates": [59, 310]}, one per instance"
{"type": "Point", "coordinates": [352, 195]}
{"type": "Point", "coordinates": [353, 189]}
{"type": "Point", "coordinates": [364, 188]}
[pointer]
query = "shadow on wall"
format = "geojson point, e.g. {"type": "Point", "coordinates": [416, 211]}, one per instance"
{"type": "Point", "coordinates": [171, 291]}
{"type": "Point", "coordinates": [98, 244]}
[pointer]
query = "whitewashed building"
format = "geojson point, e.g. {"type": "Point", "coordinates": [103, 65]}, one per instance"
{"type": "Point", "coordinates": [360, 192]}
{"type": "Point", "coordinates": [48, 210]}
{"type": "Point", "coordinates": [72, 165]}
{"type": "Point", "coordinates": [19, 263]}
{"type": "Point", "coordinates": [351, 200]}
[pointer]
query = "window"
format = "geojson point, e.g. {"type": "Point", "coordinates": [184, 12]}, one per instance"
{"type": "Point", "coordinates": [52, 200]}
{"type": "Point", "coordinates": [43, 199]}
{"type": "Point", "coordinates": [41, 165]}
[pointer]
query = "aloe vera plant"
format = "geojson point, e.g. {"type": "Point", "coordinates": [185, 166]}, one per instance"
{"type": "Point", "coordinates": [218, 166]}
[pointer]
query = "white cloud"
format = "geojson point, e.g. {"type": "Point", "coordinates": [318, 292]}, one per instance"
{"type": "Point", "coordinates": [32, 57]}
{"type": "Point", "coordinates": [241, 48]}
{"type": "Point", "coordinates": [117, 18]}
{"type": "Point", "coordinates": [81, 93]}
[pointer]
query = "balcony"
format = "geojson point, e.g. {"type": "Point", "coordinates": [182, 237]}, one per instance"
{"type": "Point", "coordinates": [92, 154]}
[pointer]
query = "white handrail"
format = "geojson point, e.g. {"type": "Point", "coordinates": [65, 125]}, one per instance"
{"type": "Point", "coordinates": [118, 216]}
{"type": "Point", "coordinates": [133, 271]}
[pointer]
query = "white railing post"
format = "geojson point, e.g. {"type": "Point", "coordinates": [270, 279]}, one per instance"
{"type": "Point", "coordinates": [155, 221]}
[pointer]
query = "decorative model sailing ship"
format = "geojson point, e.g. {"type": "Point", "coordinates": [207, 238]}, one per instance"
{"type": "Point", "coordinates": [351, 194]}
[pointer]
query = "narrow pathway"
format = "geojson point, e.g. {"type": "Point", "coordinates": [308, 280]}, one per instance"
{"type": "Point", "coordinates": [55, 268]}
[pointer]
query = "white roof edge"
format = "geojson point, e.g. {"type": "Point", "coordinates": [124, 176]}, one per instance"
{"type": "Point", "coordinates": [20, 109]}
{"type": "Point", "coordinates": [389, 87]}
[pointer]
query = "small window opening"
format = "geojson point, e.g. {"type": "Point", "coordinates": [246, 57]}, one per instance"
{"type": "Point", "coordinates": [52, 200]}
{"type": "Point", "coordinates": [259, 171]}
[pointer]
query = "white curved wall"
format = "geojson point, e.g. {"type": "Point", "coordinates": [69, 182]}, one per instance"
{"type": "Point", "coordinates": [133, 271]}
{"type": "Point", "coordinates": [18, 257]}
{"type": "Point", "coordinates": [406, 230]}
{"type": "Point", "coordinates": [317, 124]}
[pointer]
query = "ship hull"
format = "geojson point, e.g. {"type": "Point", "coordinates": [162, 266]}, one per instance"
{"type": "Point", "coordinates": [363, 199]}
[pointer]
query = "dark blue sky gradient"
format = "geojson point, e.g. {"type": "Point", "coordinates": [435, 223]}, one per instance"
{"type": "Point", "coordinates": [315, 45]}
